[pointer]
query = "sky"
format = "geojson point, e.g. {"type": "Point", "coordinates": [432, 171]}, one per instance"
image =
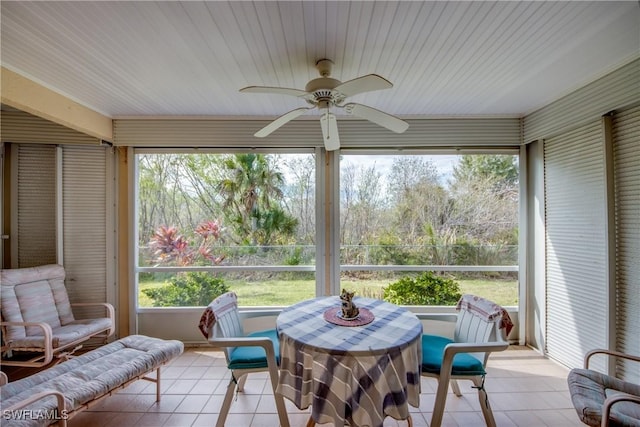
{"type": "Point", "coordinates": [444, 163]}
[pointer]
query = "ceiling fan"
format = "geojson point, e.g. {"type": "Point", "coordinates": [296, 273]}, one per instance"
{"type": "Point", "coordinates": [326, 93]}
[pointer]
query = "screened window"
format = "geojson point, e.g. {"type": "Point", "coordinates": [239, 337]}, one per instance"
{"type": "Point", "coordinates": [246, 222]}
{"type": "Point", "coordinates": [420, 229]}
{"type": "Point", "coordinates": [217, 222]}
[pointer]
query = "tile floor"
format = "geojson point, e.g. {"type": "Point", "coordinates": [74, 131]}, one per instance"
{"type": "Point", "coordinates": [525, 389]}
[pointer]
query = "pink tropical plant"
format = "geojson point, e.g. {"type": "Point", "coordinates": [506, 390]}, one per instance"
{"type": "Point", "coordinates": [169, 246]}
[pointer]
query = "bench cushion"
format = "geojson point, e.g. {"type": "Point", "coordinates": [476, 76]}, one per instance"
{"type": "Point", "coordinates": [92, 375]}
{"type": "Point", "coordinates": [589, 389]}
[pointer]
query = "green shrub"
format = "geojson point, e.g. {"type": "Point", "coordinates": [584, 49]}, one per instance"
{"type": "Point", "coordinates": [426, 289]}
{"type": "Point", "coordinates": [294, 257]}
{"type": "Point", "coordinates": [188, 289]}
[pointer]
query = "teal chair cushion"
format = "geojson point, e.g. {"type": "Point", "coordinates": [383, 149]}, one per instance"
{"type": "Point", "coordinates": [433, 351]}
{"type": "Point", "coordinates": [254, 357]}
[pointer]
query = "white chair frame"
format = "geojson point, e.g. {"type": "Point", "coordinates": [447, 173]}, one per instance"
{"type": "Point", "coordinates": [472, 335]}
{"type": "Point", "coordinates": [227, 333]}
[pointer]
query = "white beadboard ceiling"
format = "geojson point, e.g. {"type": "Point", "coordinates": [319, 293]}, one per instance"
{"type": "Point", "coordinates": [453, 58]}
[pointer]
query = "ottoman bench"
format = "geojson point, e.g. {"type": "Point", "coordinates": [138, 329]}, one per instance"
{"type": "Point", "coordinates": [58, 393]}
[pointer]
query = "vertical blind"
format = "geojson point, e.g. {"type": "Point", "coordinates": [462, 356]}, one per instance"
{"type": "Point", "coordinates": [85, 217]}
{"type": "Point", "coordinates": [626, 140]}
{"type": "Point", "coordinates": [84, 205]}
{"type": "Point", "coordinates": [576, 244]}
{"type": "Point", "coordinates": [33, 231]}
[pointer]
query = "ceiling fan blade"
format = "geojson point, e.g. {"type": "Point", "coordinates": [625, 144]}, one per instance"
{"type": "Point", "coordinates": [329, 125]}
{"type": "Point", "coordinates": [276, 90]}
{"type": "Point", "coordinates": [280, 121]}
{"type": "Point", "coordinates": [367, 83]}
{"type": "Point", "coordinates": [378, 117]}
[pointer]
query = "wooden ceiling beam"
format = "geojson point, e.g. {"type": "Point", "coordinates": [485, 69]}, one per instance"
{"type": "Point", "coordinates": [33, 98]}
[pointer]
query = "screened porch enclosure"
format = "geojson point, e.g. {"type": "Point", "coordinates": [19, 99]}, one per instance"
{"type": "Point", "coordinates": [578, 210]}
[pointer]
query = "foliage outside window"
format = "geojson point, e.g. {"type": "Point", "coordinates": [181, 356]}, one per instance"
{"type": "Point", "coordinates": [223, 210]}
{"type": "Point", "coordinates": [454, 215]}
{"type": "Point", "coordinates": [246, 222]}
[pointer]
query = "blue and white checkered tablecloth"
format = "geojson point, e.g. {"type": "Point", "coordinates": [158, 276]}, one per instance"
{"type": "Point", "coordinates": [357, 374]}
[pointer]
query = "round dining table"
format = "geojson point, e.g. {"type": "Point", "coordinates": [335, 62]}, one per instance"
{"type": "Point", "coordinates": [350, 371]}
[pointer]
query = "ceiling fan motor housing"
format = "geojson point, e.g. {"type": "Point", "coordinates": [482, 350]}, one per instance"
{"type": "Point", "coordinates": [321, 89]}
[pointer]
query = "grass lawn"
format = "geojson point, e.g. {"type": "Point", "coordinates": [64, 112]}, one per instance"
{"type": "Point", "coordinates": [286, 292]}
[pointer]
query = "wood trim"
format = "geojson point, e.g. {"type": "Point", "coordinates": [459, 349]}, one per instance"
{"type": "Point", "coordinates": [33, 98]}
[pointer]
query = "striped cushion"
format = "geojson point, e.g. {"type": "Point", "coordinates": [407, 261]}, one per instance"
{"type": "Point", "coordinates": [90, 376]}
{"type": "Point", "coordinates": [589, 389]}
{"type": "Point", "coordinates": [63, 335]}
{"type": "Point", "coordinates": [35, 294]}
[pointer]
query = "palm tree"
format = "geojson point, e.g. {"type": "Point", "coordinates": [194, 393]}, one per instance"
{"type": "Point", "coordinates": [251, 189]}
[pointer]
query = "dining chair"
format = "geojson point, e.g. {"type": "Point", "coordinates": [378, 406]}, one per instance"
{"type": "Point", "coordinates": [603, 400]}
{"type": "Point", "coordinates": [222, 325]}
{"type": "Point", "coordinates": [481, 327]}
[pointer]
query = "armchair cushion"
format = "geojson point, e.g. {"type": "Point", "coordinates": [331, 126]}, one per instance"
{"type": "Point", "coordinates": [590, 388]}
{"type": "Point", "coordinates": [433, 352]}
{"type": "Point", "coordinates": [254, 357]}
{"type": "Point", "coordinates": [64, 335]}
{"type": "Point", "coordinates": [35, 294]}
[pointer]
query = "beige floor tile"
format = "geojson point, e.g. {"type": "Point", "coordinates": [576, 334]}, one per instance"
{"type": "Point", "coordinates": [180, 420]}
{"type": "Point", "coordinates": [153, 419]}
{"type": "Point", "coordinates": [88, 419]}
{"type": "Point", "coordinates": [139, 387]}
{"type": "Point", "coordinates": [503, 420]}
{"type": "Point", "coordinates": [552, 418]}
{"type": "Point", "coordinates": [245, 404]}
{"type": "Point", "coordinates": [265, 420]}
{"type": "Point", "coordinates": [181, 387]}
{"type": "Point", "coordinates": [185, 359]}
{"type": "Point", "coordinates": [172, 372]}
{"type": "Point", "coordinates": [239, 419]}
{"type": "Point", "coordinates": [139, 403]}
{"type": "Point", "coordinates": [125, 419]}
{"type": "Point", "coordinates": [525, 390]}
{"type": "Point", "coordinates": [526, 418]}
{"type": "Point", "coordinates": [267, 404]}
{"type": "Point", "coordinates": [164, 384]}
{"type": "Point", "coordinates": [205, 387]}
{"type": "Point", "coordinates": [214, 404]}
{"type": "Point", "coordinates": [205, 420]}
{"type": "Point", "coordinates": [469, 419]}
{"type": "Point", "coordinates": [168, 403]}
{"type": "Point", "coordinates": [192, 403]}
{"type": "Point", "coordinates": [418, 420]}
{"type": "Point", "coordinates": [255, 385]}
{"type": "Point", "coordinates": [204, 360]}
{"type": "Point", "coordinates": [192, 373]}
{"type": "Point", "coordinates": [113, 403]}
{"type": "Point", "coordinates": [216, 373]}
